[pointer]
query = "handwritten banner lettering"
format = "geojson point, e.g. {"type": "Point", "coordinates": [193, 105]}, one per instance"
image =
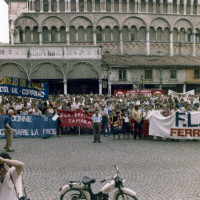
{"type": "Point", "coordinates": [76, 118]}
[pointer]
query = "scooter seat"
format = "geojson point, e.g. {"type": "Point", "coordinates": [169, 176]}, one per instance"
{"type": "Point", "coordinates": [87, 180]}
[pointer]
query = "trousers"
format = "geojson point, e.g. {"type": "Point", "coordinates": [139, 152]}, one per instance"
{"type": "Point", "coordinates": [9, 138]}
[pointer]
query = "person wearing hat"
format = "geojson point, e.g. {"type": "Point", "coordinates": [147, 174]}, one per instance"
{"type": "Point", "coordinates": [8, 130]}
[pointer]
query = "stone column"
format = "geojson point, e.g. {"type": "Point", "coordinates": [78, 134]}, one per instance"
{"type": "Point", "coordinates": [31, 32]}
{"type": "Point", "coordinates": [49, 6]}
{"type": "Point", "coordinates": [128, 5]}
{"type": "Point", "coordinates": [161, 79]}
{"type": "Point", "coordinates": [191, 8]}
{"type": "Point", "coordinates": [178, 35]}
{"type": "Point", "coordinates": [147, 43]}
{"type": "Point", "coordinates": [58, 5]}
{"type": "Point", "coordinates": [170, 7]}
{"type": "Point", "coordinates": [184, 4]}
{"type": "Point", "coordinates": [136, 6]}
{"type": "Point", "coordinates": [12, 33]}
{"type": "Point", "coordinates": [184, 87]}
{"type": "Point", "coordinates": [65, 86]}
{"type": "Point", "coordinates": [120, 5]}
{"type": "Point", "coordinates": [49, 35]}
{"type": "Point", "coordinates": [40, 36]}
{"type": "Point", "coordinates": [101, 6]}
{"type": "Point", "coordinates": [161, 6]}
{"type": "Point", "coordinates": [129, 35]}
{"type": "Point", "coordinates": [139, 6]}
{"type": "Point", "coordinates": [109, 88]}
{"type": "Point", "coordinates": [30, 5]}
{"type": "Point", "coordinates": [66, 6]}
{"type": "Point", "coordinates": [111, 34]}
{"type": "Point", "coordinates": [85, 34]}
{"type": "Point", "coordinates": [33, 5]}
{"type": "Point", "coordinates": [11, 36]}
{"type": "Point", "coordinates": [93, 5]}
{"type": "Point", "coordinates": [94, 37]}
{"type": "Point", "coordinates": [85, 5]}
{"type": "Point", "coordinates": [69, 5]}
{"type": "Point", "coordinates": [112, 6]}
{"type": "Point", "coordinates": [193, 43]}
{"type": "Point", "coordinates": [76, 30]}
{"type": "Point", "coordinates": [178, 6]}
{"type": "Point", "coordinates": [100, 86]}
{"type": "Point", "coordinates": [23, 36]}
{"type": "Point", "coordinates": [67, 36]}
{"type": "Point", "coordinates": [103, 35]}
{"type": "Point", "coordinates": [58, 35]}
{"type": "Point", "coordinates": [121, 42]}
{"type": "Point", "coordinates": [171, 47]}
{"type": "Point", "coordinates": [41, 6]}
{"type": "Point", "coordinates": [198, 7]}
{"type": "Point", "coordinates": [154, 6]}
{"type": "Point", "coordinates": [147, 6]}
{"type": "Point", "coordinates": [77, 5]}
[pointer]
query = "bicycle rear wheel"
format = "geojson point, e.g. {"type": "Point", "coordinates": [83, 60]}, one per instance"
{"type": "Point", "coordinates": [125, 197]}
{"type": "Point", "coordinates": [73, 195]}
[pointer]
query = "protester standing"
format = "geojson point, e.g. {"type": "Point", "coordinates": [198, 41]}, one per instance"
{"type": "Point", "coordinates": [10, 177]}
{"type": "Point", "coordinates": [96, 118]}
{"type": "Point", "coordinates": [8, 130]}
{"type": "Point", "coordinates": [137, 116]}
{"type": "Point", "coordinates": [104, 122]}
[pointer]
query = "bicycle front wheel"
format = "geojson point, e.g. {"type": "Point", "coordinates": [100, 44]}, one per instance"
{"type": "Point", "coordinates": [73, 195]}
{"type": "Point", "coordinates": [125, 197]}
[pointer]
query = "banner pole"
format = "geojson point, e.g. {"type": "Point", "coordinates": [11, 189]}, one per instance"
{"type": "Point", "coordinates": [79, 130]}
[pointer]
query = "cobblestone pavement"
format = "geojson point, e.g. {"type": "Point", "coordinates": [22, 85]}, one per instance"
{"type": "Point", "coordinates": [156, 170]}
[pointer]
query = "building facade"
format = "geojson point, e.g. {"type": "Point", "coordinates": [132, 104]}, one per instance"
{"type": "Point", "coordinates": [82, 46]}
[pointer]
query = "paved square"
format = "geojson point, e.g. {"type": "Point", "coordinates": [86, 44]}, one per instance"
{"type": "Point", "coordinates": [156, 170]}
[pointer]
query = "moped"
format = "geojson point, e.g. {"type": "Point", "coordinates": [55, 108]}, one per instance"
{"type": "Point", "coordinates": [75, 190]}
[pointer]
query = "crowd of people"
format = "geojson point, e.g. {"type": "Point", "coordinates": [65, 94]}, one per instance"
{"type": "Point", "coordinates": [111, 108]}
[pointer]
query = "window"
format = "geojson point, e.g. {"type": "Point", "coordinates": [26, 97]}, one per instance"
{"type": "Point", "coordinates": [148, 74]}
{"type": "Point", "coordinates": [196, 73]}
{"type": "Point", "coordinates": [122, 74]}
{"type": "Point", "coordinates": [172, 74]}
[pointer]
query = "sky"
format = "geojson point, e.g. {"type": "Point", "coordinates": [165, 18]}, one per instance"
{"type": "Point", "coordinates": [4, 35]}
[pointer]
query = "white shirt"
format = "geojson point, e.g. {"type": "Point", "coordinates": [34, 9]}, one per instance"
{"type": "Point", "coordinates": [7, 190]}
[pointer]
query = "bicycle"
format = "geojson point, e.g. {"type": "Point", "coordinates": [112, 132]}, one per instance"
{"type": "Point", "coordinates": [74, 190]}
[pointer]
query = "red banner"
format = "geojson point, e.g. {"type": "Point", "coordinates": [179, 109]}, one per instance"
{"type": "Point", "coordinates": [76, 118]}
{"type": "Point", "coordinates": [135, 93]}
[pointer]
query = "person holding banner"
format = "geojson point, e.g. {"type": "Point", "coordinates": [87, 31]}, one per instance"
{"type": "Point", "coordinates": [96, 118]}
{"type": "Point", "coordinates": [8, 130]}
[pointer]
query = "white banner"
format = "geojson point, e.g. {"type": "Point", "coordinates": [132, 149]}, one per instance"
{"type": "Point", "coordinates": [173, 93]}
{"type": "Point", "coordinates": [180, 125]}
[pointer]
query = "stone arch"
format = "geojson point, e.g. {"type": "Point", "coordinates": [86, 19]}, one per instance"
{"type": "Point", "coordinates": [23, 21]}
{"type": "Point", "coordinates": [183, 23]}
{"type": "Point", "coordinates": [13, 69]}
{"type": "Point", "coordinates": [136, 21]}
{"type": "Point", "coordinates": [82, 70]}
{"type": "Point", "coordinates": [80, 21]}
{"type": "Point", "coordinates": [47, 70]}
{"type": "Point", "coordinates": [104, 21]}
{"type": "Point", "coordinates": [160, 22]}
{"type": "Point", "coordinates": [53, 21]}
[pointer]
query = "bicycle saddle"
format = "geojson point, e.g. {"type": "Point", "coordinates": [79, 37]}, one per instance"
{"type": "Point", "coordinates": [87, 180]}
